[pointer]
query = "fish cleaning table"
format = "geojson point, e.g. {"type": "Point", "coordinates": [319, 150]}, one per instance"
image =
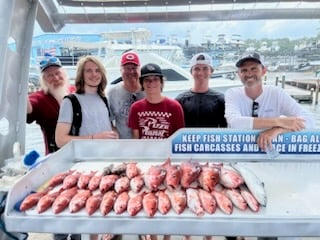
{"type": "Point", "coordinates": [291, 181]}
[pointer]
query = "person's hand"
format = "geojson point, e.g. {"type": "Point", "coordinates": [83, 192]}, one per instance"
{"type": "Point", "coordinates": [265, 138]}
{"type": "Point", "coordinates": [292, 123]}
{"type": "Point", "coordinates": [106, 135]}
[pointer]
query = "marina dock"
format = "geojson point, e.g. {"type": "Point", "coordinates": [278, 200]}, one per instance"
{"type": "Point", "coordinates": [304, 90]}
{"type": "Point", "coordinates": [307, 84]}
{"type": "Point", "coordinates": [300, 95]}
{"type": "Point", "coordinates": [303, 87]}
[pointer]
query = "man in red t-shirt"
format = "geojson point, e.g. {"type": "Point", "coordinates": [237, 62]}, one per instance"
{"type": "Point", "coordinates": [43, 105]}
{"type": "Point", "coordinates": [155, 116]}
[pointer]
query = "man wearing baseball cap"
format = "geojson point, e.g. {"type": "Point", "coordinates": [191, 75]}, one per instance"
{"type": "Point", "coordinates": [125, 92]}
{"type": "Point", "coordinates": [249, 56]}
{"type": "Point", "coordinates": [130, 57]}
{"type": "Point", "coordinates": [202, 106]}
{"type": "Point", "coordinates": [43, 105]}
{"type": "Point", "coordinates": [265, 107]}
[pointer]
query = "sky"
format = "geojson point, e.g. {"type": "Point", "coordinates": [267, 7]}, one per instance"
{"type": "Point", "coordinates": [197, 31]}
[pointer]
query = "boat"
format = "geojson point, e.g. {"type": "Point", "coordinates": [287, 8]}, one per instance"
{"type": "Point", "coordinates": [177, 79]}
{"type": "Point", "coordinates": [168, 57]}
{"type": "Point", "coordinates": [273, 67]}
{"type": "Point", "coordinates": [302, 67]}
{"type": "Point", "coordinates": [114, 43]}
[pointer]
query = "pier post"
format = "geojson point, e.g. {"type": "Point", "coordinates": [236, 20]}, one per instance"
{"type": "Point", "coordinates": [312, 95]}
{"type": "Point", "coordinates": [317, 91]}
{"type": "Point", "coordinates": [283, 80]}
{"type": "Point", "coordinates": [277, 80]}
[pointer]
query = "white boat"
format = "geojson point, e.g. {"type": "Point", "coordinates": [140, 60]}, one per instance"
{"type": "Point", "coordinates": [273, 67]}
{"type": "Point", "coordinates": [227, 70]}
{"type": "Point", "coordinates": [115, 43]}
{"type": "Point", "coordinates": [301, 67]}
{"type": "Point", "coordinates": [177, 78]}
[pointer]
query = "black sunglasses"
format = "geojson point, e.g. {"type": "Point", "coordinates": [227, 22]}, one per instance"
{"type": "Point", "coordinates": [255, 107]}
{"type": "Point", "coordinates": [133, 98]}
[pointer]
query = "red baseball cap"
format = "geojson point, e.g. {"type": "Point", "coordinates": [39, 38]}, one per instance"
{"type": "Point", "coordinates": [130, 57]}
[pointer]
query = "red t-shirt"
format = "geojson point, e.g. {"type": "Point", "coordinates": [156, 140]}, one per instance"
{"type": "Point", "coordinates": [45, 111]}
{"type": "Point", "coordinates": [158, 121]}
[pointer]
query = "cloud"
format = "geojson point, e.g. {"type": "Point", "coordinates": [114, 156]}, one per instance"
{"type": "Point", "coordinates": [198, 32]}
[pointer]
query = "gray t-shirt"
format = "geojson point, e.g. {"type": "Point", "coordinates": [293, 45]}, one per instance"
{"type": "Point", "coordinates": [95, 114]}
{"type": "Point", "coordinates": [120, 101]}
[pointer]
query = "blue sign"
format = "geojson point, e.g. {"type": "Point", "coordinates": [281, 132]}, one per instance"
{"type": "Point", "coordinates": [184, 141]}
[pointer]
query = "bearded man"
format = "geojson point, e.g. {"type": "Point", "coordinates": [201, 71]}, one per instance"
{"type": "Point", "coordinates": [43, 105]}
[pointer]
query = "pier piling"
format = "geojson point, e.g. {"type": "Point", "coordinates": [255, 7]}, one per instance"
{"type": "Point", "coordinates": [316, 96]}
{"type": "Point", "coordinates": [283, 80]}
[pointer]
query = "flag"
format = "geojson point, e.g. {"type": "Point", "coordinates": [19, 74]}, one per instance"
{"type": "Point", "coordinates": [51, 51]}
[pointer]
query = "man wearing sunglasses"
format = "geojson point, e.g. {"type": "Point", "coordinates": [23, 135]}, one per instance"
{"type": "Point", "coordinates": [43, 105]}
{"type": "Point", "coordinates": [259, 106]}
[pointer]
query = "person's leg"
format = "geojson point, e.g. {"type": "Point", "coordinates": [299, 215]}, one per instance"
{"type": "Point", "coordinates": [75, 236]}
{"type": "Point", "coordinates": [267, 238]}
{"type": "Point", "coordinates": [166, 237]}
{"type": "Point", "coordinates": [107, 236]}
{"type": "Point", "coordinates": [94, 237]}
{"type": "Point", "coordinates": [117, 237]}
{"type": "Point", "coordinates": [208, 238]}
{"type": "Point", "coordinates": [60, 236]}
{"type": "Point", "coordinates": [186, 237]}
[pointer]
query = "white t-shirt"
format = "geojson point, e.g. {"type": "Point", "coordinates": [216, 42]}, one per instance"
{"type": "Point", "coordinates": [273, 102]}
{"type": "Point", "coordinates": [95, 114]}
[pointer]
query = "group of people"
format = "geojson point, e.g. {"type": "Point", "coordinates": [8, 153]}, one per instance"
{"type": "Point", "coordinates": [137, 108]}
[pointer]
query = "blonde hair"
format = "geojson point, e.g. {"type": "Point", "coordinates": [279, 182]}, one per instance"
{"type": "Point", "coordinates": [79, 80]}
{"type": "Point", "coordinates": [43, 83]}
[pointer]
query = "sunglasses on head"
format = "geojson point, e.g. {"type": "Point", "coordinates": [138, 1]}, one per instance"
{"type": "Point", "coordinates": [45, 62]}
{"type": "Point", "coordinates": [255, 107]}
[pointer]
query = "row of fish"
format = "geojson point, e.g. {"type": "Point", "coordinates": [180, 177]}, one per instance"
{"type": "Point", "coordinates": [199, 187]}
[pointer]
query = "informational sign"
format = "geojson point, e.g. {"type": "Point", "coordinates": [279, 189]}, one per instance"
{"type": "Point", "coordinates": [215, 141]}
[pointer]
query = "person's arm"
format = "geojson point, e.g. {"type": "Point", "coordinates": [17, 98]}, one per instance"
{"type": "Point", "coordinates": [289, 123]}
{"type": "Point", "coordinates": [291, 108]}
{"type": "Point", "coordinates": [265, 138]}
{"type": "Point", "coordinates": [135, 134]}
{"type": "Point", "coordinates": [62, 132]}
{"type": "Point", "coordinates": [62, 136]}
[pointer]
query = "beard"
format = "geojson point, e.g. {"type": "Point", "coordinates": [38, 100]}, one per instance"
{"type": "Point", "coordinates": [59, 92]}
